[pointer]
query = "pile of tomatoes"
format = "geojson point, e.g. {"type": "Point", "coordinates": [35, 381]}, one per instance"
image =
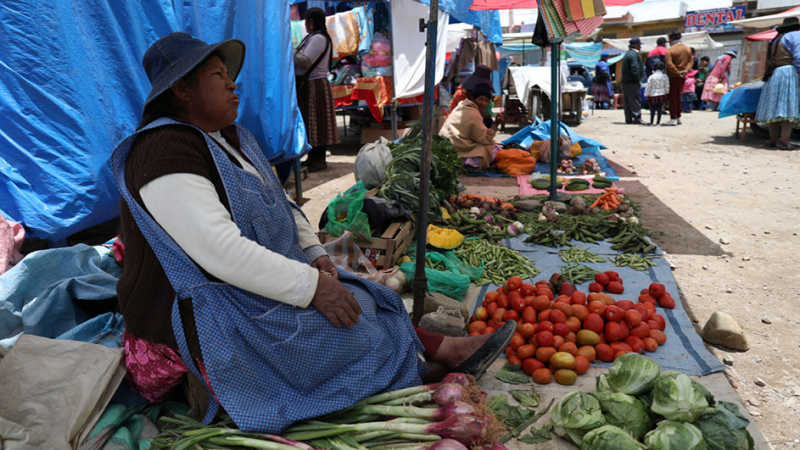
{"type": "Point", "coordinates": [558, 336]}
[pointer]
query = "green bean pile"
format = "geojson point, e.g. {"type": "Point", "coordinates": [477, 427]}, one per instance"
{"type": "Point", "coordinates": [579, 255]}
{"type": "Point", "coordinates": [635, 262]}
{"type": "Point", "coordinates": [500, 262]}
{"type": "Point", "coordinates": [578, 274]}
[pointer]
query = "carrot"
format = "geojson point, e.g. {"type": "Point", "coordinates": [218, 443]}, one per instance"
{"type": "Point", "coordinates": [596, 203]}
{"type": "Point", "coordinates": [612, 190]}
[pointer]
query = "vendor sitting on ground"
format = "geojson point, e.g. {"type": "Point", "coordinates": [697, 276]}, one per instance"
{"type": "Point", "coordinates": [224, 277]}
{"type": "Point", "coordinates": [468, 133]}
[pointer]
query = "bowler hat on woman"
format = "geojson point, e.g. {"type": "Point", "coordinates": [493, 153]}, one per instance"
{"type": "Point", "coordinates": [789, 24]}
{"type": "Point", "coordinates": [482, 74]}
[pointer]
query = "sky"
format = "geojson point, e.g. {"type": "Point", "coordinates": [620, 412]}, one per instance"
{"type": "Point", "coordinates": [646, 11]}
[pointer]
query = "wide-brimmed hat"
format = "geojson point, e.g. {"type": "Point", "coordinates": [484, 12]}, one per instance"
{"type": "Point", "coordinates": [482, 74]}
{"type": "Point", "coordinates": [604, 55]}
{"type": "Point", "coordinates": [789, 24]}
{"type": "Point", "coordinates": [173, 56]}
{"type": "Point", "coordinates": [733, 52]}
{"type": "Point", "coordinates": [482, 89]}
{"type": "Point", "coordinates": [634, 41]}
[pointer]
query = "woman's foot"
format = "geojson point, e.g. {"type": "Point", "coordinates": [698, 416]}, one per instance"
{"type": "Point", "coordinates": [473, 355]}
{"type": "Point", "coordinates": [783, 145]}
{"type": "Point", "coordinates": [316, 166]}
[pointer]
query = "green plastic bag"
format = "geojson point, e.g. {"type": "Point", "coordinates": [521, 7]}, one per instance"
{"type": "Point", "coordinates": [453, 283]}
{"type": "Point", "coordinates": [345, 213]}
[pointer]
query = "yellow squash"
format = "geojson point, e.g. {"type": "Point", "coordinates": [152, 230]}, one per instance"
{"type": "Point", "coordinates": [444, 238]}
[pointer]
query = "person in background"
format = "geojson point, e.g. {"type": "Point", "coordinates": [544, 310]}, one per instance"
{"type": "Point", "coordinates": [314, 95]}
{"type": "Point", "coordinates": [602, 91]}
{"type": "Point", "coordinates": [678, 63]}
{"type": "Point", "coordinates": [481, 75]}
{"type": "Point", "coordinates": [695, 62]}
{"type": "Point", "coordinates": [656, 91]}
{"type": "Point", "coordinates": [687, 95]}
{"type": "Point", "coordinates": [468, 133]}
{"type": "Point", "coordinates": [656, 54]}
{"type": "Point", "coordinates": [632, 76]}
{"type": "Point", "coordinates": [779, 105]}
{"type": "Point", "coordinates": [718, 75]}
{"type": "Point", "coordinates": [702, 74]}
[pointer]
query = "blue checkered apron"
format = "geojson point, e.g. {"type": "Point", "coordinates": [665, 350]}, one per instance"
{"type": "Point", "coordinates": [271, 364]}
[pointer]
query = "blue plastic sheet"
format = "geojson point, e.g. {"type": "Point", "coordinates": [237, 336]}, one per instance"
{"type": "Point", "coordinates": [36, 294]}
{"type": "Point", "coordinates": [541, 132]}
{"type": "Point", "coordinates": [684, 350]}
{"type": "Point", "coordinates": [72, 87]}
{"type": "Point", "coordinates": [742, 100]}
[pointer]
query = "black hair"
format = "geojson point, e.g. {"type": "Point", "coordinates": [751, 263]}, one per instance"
{"type": "Point", "coordinates": [662, 41]}
{"type": "Point", "coordinates": [317, 17]}
{"type": "Point", "coordinates": [658, 65]}
{"type": "Point", "coordinates": [692, 48]}
{"type": "Point", "coordinates": [705, 58]}
{"type": "Point", "coordinates": [674, 35]}
{"type": "Point", "coordinates": [481, 90]}
{"type": "Point", "coordinates": [166, 105]}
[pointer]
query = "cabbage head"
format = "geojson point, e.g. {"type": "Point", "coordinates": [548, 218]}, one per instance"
{"type": "Point", "coordinates": [675, 436]}
{"type": "Point", "coordinates": [678, 398]}
{"type": "Point", "coordinates": [576, 414]}
{"type": "Point", "coordinates": [697, 385]}
{"type": "Point", "coordinates": [725, 428]}
{"type": "Point", "coordinates": [632, 374]}
{"type": "Point", "coordinates": [625, 412]}
{"type": "Point", "coordinates": [609, 437]}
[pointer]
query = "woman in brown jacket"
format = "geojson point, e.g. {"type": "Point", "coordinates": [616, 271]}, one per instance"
{"type": "Point", "coordinates": [467, 132]}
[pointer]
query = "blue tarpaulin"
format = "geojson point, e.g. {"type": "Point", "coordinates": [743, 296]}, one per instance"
{"type": "Point", "coordinates": [742, 100]}
{"type": "Point", "coordinates": [72, 87]}
{"type": "Point", "coordinates": [541, 132]}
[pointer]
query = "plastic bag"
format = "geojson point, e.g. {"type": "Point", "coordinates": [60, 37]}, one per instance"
{"type": "Point", "coordinates": [345, 213]}
{"type": "Point", "coordinates": [564, 145]}
{"type": "Point", "coordinates": [454, 282]}
{"type": "Point", "coordinates": [515, 162]}
{"type": "Point", "coordinates": [347, 255]}
{"type": "Point", "coordinates": [371, 163]}
{"type": "Point", "coordinates": [380, 52]}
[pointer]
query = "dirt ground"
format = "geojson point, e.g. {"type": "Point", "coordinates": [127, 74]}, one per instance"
{"type": "Point", "coordinates": [700, 186]}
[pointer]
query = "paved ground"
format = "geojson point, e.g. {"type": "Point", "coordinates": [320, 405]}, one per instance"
{"type": "Point", "coordinates": [699, 186]}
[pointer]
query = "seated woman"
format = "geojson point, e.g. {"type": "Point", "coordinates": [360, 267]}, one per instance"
{"type": "Point", "coordinates": [468, 133]}
{"type": "Point", "coordinates": [224, 277]}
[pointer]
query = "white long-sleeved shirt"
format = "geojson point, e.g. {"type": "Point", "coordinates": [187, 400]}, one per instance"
{"type": "Point", "coordinates": [188, 208]}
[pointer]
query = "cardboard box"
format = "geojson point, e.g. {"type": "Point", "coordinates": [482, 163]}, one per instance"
{"type": "Point", "coordinates": [383, 251]}
{"type": "Point", "coordinates": [372, 134]}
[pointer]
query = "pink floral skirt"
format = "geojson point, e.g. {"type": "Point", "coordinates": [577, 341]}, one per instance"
{"type": "Point", "coordinates": [154, 370]}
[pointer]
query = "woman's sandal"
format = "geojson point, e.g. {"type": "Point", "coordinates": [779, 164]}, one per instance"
{"type": "Point", "coordinates": [316, 167]}
{"type": "Point", "coordinates": [477, 364]}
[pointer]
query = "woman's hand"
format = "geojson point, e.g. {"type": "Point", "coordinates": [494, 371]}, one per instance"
{"type": "Point", "coordinates": [335, 302]}
{"type": "Point", "coordinates": [325, 265]}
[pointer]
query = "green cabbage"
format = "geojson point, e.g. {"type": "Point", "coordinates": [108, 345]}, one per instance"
{"type": "Point", "coordinates": [697, 385]}
{"type": "Point", "coordinates": [609, 437]}
{"type": "Point", "coordinates": [626, 412]}
{"type": "Point", "coordinates": [725, 428]}
{"type": "Point", "coordinates": [632, 374]}
{"type": "Point", "coordinates": [576, 414]}
{"type": "Point", "coordinates": [675, 436]}
{"type": "Point", "coordinates": [678, 398]}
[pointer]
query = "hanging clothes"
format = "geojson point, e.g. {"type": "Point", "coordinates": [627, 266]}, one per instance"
{"type": "Point", "coordinates": [466, 54]}
{"type": "Point", "coordinates": [366, 27]}
{"type": "Point", "coordinates": [584, 9]}
{"type": "Point", "coordinates": [251, 345]}
{"type": "Point", "coordinates": [486, 55]}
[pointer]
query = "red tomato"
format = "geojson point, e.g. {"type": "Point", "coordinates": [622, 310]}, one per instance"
{"type": "Point", "coordinates": [529, 314]}
{"type": "Point", "coordinates": [527, 290]}
{"type": "Point", "coordinates": [491, 297]}
{"type": "Point", "coordinates": [561, 329]}
{"type": "Point", "coordinates": [510, 351]}
{"type": "Point", "coordinates": [594, 322]}
{"type": "Point", "coordinates": [518, 304]}
{"type": "Point", "coordinates": [514, 360]}
{"type": "Point", "coordinates": [597, 307]}
{"type": "Point", "coordinates": [526, 351]}
{"type": "Point", "coordinates": [618, 347]}
{"type": "Point", "coordinates": [531, 365]}
{"type": "Point", "coordinates": [595, 287]}
{"type": "Point", "coordinates": [641, 331]}
{"type": "Point", "coordinates": [633, 318]}
{"type": "Point", "coordinates": [529, 300]}
{"type": "Point", "coordinates": [601, 279]}
{"type": "Point", "coordinates": [492, 308]}
{"type": "Point", "coordinates": [641, 310]}
{"type": "Point", "coordinates": [544, 316]}
{"type": "Point", "coordinates": [510, 315]}
{"type": "Point", "coordinates": [514, 283]}
{"type": "Point", "coordinates": [647, 298]}
{"type": "Point", "coordinates": [502, 302]}
{"type": "Point", "coordinates": [613, 332]}
{"type": "Point", "coordinates": [488, 330]}
{"type": "Point", "coordinates": [662, 324]}
{"type": "Point", "coordinates": [613, 313]}
{"type": "Point", "coordinates": [541, 302]}
{"type": "Point", "coordinates": [578, 298]}
{"type": "Point", "coordinates": [653, 325]}
{"type": "Point", "coordinates": [545, 326]}
{"type": "Point", "coordinates": [516, 341]}
{"type": "Point", "coordinates": [544, 339]}
{"type": "Point", "coordinates": [527, 330]}
{"type": "Point", "coordinates": [636, 344]}
{"type": "Point", "coordinates": [613, 276]}
{"type": "Point", "coordinates": [498, 315]}
{"type": "Point", "coordinates": [604, 352]}
{"type": "Point", "coordinates": [625, 305]}
{"type": "Point", "coordinates": [513, 295]}
{"type": "Point", "coordinates": [657, 290]}
{"type": "Point", "coordinates": [557, 316]}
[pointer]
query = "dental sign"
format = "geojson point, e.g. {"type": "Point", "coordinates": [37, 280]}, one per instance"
{"type": "Point", "coordinates": [715, 20]}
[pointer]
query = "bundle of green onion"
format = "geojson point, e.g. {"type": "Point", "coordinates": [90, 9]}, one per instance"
{"type": "Point", "coordinates": [435, 417]}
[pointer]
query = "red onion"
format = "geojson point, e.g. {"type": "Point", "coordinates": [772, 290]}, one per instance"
{"type": "Point", "coordinates": [496, 445]}
{"type": "Point", "coordinates": [447, 393]}
{"type": "Point", "coordinates": [447, 444]}
{"type": "Point", "coordinates": [464, 428]}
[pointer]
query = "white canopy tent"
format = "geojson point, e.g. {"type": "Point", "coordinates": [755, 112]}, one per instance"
{"type": "Point", "coordinates": [767, 21]}
{"type": "Point", "coordinates": [700, 41]}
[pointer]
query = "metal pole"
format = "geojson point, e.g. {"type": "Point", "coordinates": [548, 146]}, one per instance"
{"type": "Point", "coordinates": [420, 279]}
{"type": "Point", "coordinates": [394, 99]}
{"type": "Point", "coordinates": [555, 81]}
